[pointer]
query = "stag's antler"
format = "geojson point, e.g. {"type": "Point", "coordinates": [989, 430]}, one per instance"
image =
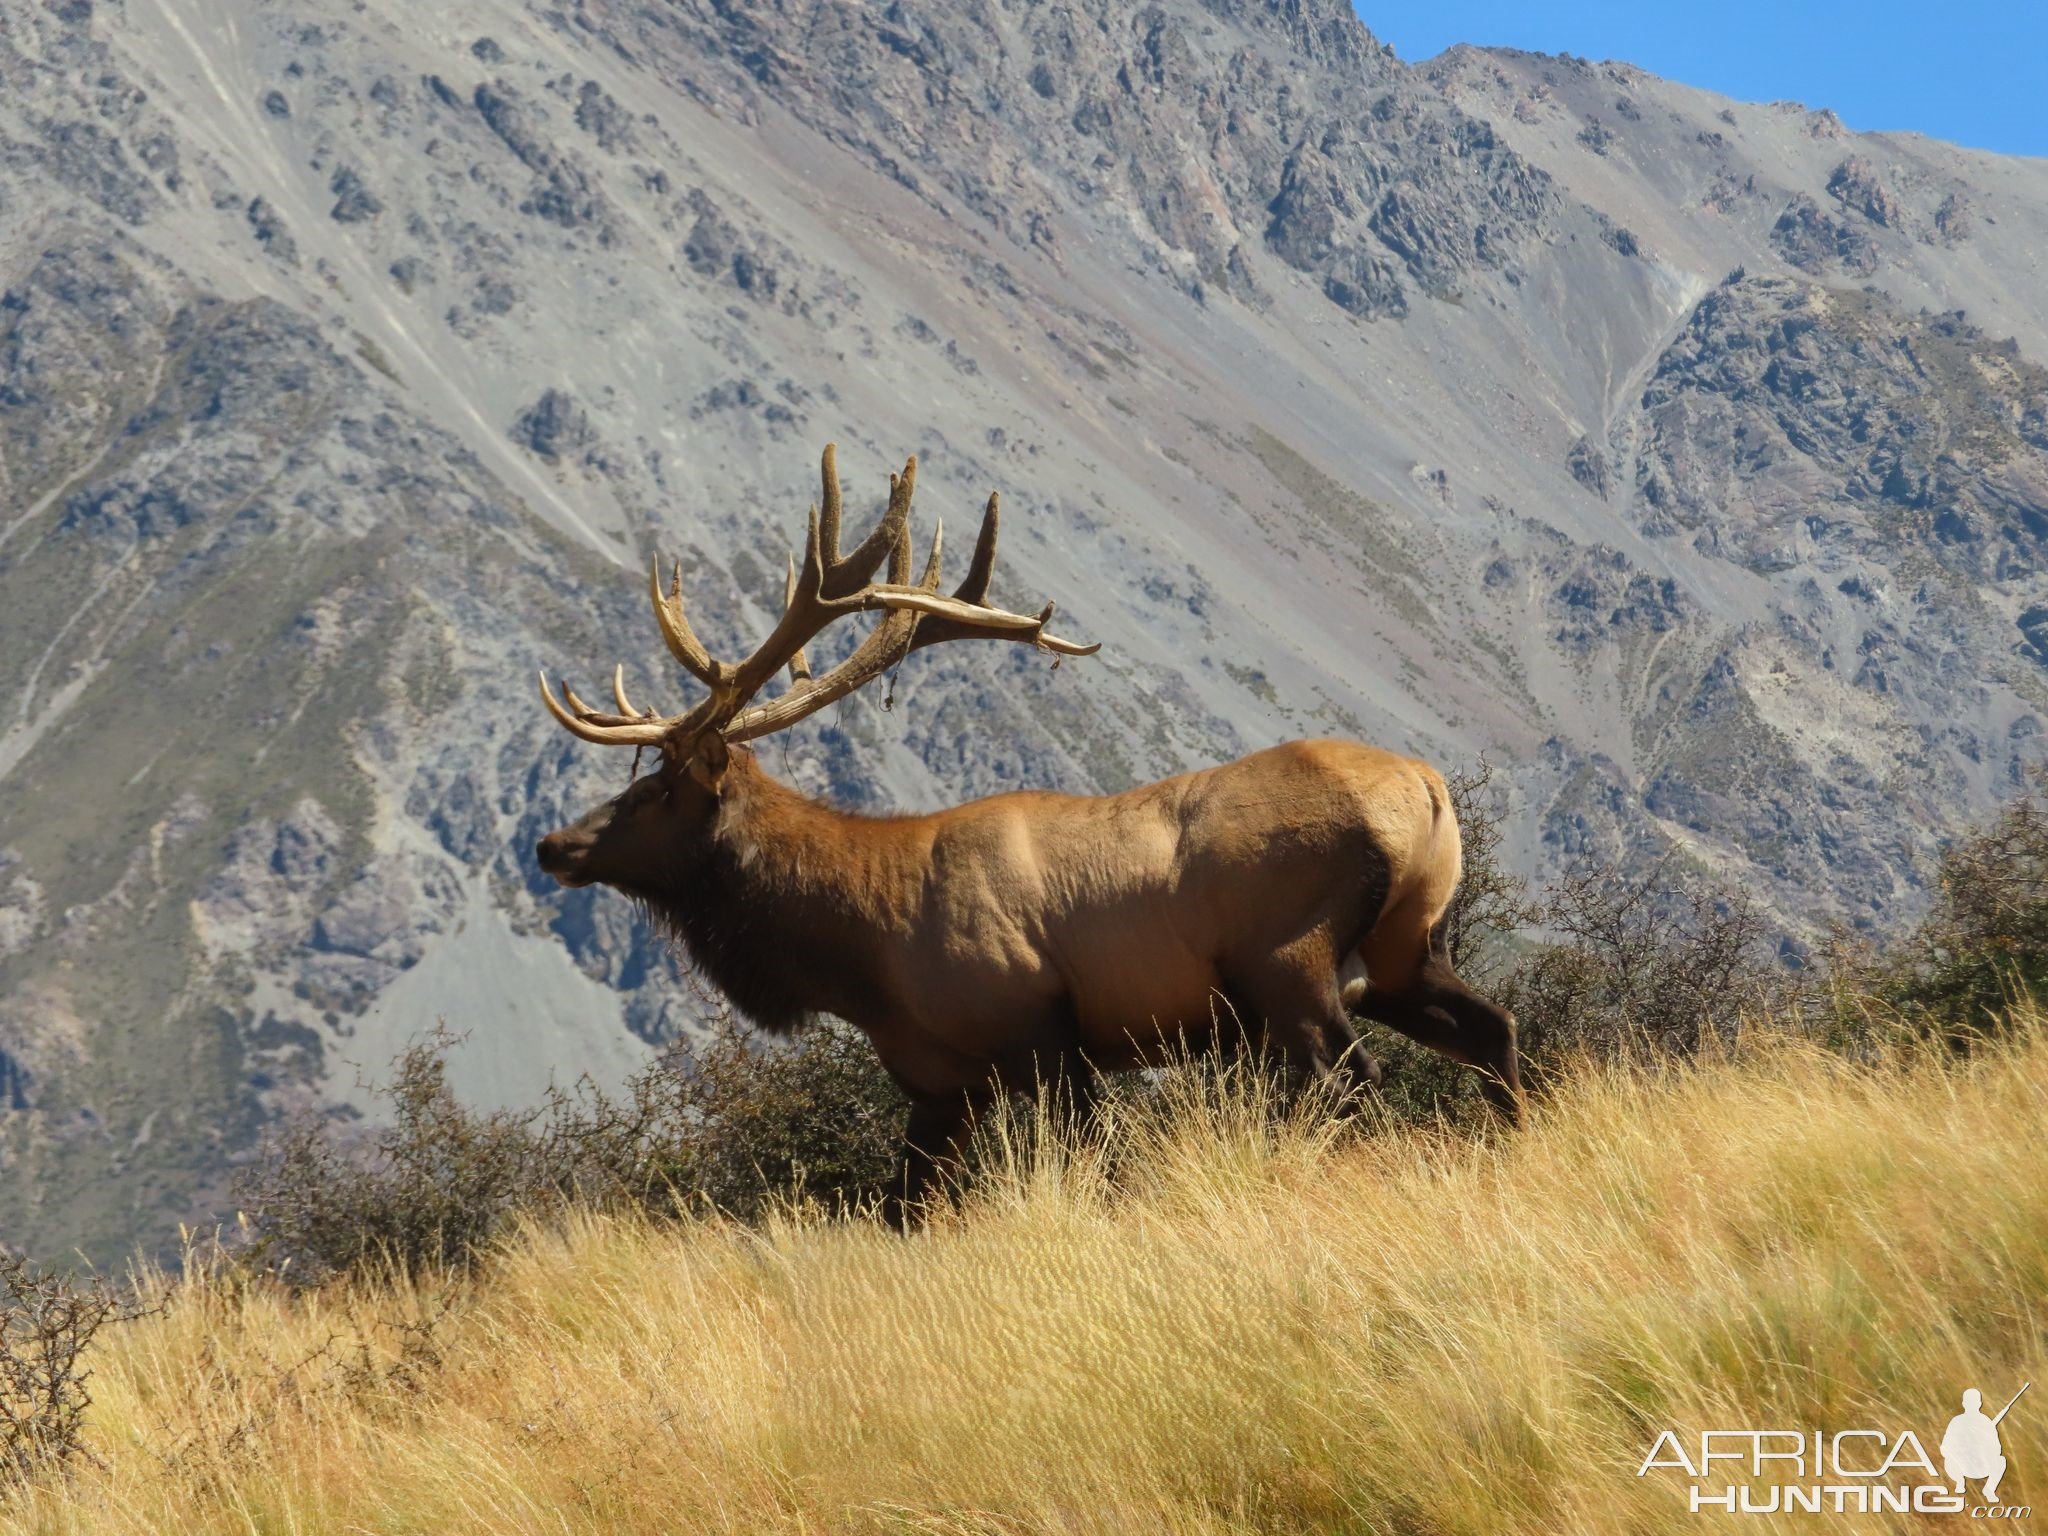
{"type": "Point", "coordinates": [823, 587]}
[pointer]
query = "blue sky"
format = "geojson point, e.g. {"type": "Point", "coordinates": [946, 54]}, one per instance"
{"type": "Point", "coordinates": [1972, 72]}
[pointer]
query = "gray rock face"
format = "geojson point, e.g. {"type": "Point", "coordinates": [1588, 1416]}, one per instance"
{"type": "Point", "coordinates": [1856, 184]}
{"type": "Point", "coordinates": [1201, 123]}
{"type": "Point", "coordinates": [353, 362]}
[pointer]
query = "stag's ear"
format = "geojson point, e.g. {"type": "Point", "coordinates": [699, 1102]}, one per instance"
{"type": "Point", "coordinates": [708, 760]}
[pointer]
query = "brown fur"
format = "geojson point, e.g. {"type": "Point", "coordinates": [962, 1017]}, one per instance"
{"type": "Point", "coordinates": [1030, 937]}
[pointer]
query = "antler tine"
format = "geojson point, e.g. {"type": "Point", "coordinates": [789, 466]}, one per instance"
{"type": "Point", "coordinates": [950, 619]}
{"type": "Point", "coordinates": [844, 576]}
{"type": "Point", "coordinates": [899, 572]}
{"type": "Point", "coordinates": [603, 730]}
{"type": "Point", "coordinates": [823, 588]}
{"type": "Point", "coordinates": [682, 640]}
{"type": "Point", "coordinates": [828, 493]}
{"type": "Point", "coordinates": [626, 705]}
{"type": "Point", "coordinates": [974, 589]}
{"type": "Point", "coordinates": [590, 714]}
{"type": "Point", "coordinates": [899, 552]}
{"type": "Point", "coordinates": [799, 663]}
{"type": "Point", "coordinates": [967, 615]}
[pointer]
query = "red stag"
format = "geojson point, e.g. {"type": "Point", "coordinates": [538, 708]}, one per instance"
{"type": "Point", "coordinates": [1032, 936]}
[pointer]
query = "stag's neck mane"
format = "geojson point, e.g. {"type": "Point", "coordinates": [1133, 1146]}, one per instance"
{"type": "Point", "coordinates": [794, 902]}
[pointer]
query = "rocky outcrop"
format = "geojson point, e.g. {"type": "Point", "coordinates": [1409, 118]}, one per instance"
{"type": "Point", "coordinates": [1902, 435]}
{"type": "Point", "coordinates": [563, 191]}
{"type": "Point", "coordinates": [556, 427]}
{"type": "Point", "coordinates": [1855, 184]}
{"type": "Point", "coordinates": [1588, 463]}
{"type": "Point", "coordinates": [1352, 173]}
{"type": "Point", "coordinates": [1818, 242]}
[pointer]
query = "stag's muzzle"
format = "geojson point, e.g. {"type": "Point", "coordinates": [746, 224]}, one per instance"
{"type": "Point", "coordinates": [558, 854]}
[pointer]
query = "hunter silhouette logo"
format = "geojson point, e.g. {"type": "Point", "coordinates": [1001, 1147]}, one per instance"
{"type": "Point", "coordinates": [1971, 1448]}
{"type": "Point", "coordinates": [1849, 1471]}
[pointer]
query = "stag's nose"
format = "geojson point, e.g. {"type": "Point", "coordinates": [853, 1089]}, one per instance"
{"type": "Point", "coordinates": [550, 853]}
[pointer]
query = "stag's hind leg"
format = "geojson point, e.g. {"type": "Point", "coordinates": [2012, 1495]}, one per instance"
{"type": "Point", "coordinates": [1411, 988]}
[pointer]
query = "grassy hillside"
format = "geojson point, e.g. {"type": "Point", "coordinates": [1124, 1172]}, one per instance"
{"type": "Point", "coordinates": [1246, 1330]}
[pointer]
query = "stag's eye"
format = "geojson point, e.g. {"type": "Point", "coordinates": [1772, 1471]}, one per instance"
{"type": "Point", "coordinates": [642, 794]}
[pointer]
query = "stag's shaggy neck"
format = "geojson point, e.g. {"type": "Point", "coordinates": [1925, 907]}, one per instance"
{"type": "Point", "coordinates": [793, 902]}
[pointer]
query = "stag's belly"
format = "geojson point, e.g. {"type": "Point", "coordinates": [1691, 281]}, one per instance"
{"type": "Point", "coordinates": [1139, 991]}
{"type": "Point", "coordinates": [998, 981]}
{"type": "Point", "coordinates": [1117, 1010]}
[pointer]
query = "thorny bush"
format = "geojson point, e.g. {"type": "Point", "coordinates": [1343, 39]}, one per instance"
{"type": "Point", "coordinates": [1986, 941]}
{"type": "Point", "coordinates": [1598, 963]}
{"type": "Point", "coordinates": [47, 1319]}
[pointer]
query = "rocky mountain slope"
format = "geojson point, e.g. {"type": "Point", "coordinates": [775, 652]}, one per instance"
{"type": "Point", "coordinates": [1691, 456]}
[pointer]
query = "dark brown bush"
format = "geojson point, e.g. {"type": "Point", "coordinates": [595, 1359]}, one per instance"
{"type": "Point", "coordinates": [735, 1125]}
{"type": "Point", "coordinates": [47, 1319]}
{"type": "Point", "coordinates": [1661, 963]}
{"type": "Point", "coordinates": [1492, 904]}
{"type": "Point", "coordinates": [811, 1118]}
{"type": "Point", "coordinates": [426, 1188]}
{"type": "Point", "coordinates": [1984, 943]}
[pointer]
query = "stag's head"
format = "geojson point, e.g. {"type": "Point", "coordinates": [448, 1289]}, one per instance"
{"type": "Point", "coordinates": [647, 839]}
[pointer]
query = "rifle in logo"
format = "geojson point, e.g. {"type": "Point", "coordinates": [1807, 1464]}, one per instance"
{"type": "Point", "coordinates": [2015, 1398]}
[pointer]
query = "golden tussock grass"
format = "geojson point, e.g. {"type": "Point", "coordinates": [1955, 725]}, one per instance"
{"type": "Point", "coordinates": [1254, 1330]}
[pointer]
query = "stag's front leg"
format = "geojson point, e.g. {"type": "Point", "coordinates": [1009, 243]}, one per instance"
{"type": "Point", "coordinates": [1079, 1098]}
{"type": "Point", "coordinates": [1357, 1071]}
{"type": "Point", "coordinates": [934, 1145]}
{"type": "Point", "coordinates": [1065, 1082]}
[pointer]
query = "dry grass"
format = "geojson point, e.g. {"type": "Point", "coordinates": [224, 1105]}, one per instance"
{"type": "Point", "coordinates": [1259, 1331]}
